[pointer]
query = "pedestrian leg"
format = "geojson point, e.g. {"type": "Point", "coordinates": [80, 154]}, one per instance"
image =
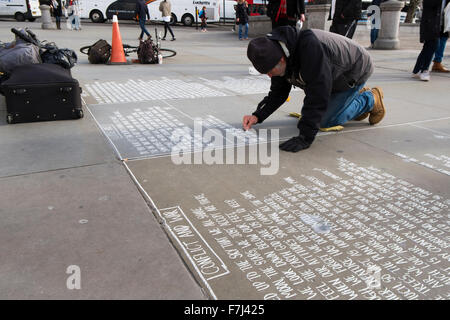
{"type": "Point", "coordinates": [170, 30]}
{"type": "Point", "coordinates": [438, 56]}
{"type": "Point", "coordinates": [426, 55]}
{"type": "Point", "coordinates": [351, 29]}
{"type": "Point", "coordinates": [373, 36]}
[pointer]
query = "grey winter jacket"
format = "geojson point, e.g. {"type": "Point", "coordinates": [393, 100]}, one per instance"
{"type": "Point", "coordinates": [319, 62]}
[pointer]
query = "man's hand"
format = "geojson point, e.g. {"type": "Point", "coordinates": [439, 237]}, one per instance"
{"type": "Point", "coordinates": [248, 122]}
{"type": "Point", "coordinates": [302, 17]}
{"type": "Point", "coordinates": [295, 144]}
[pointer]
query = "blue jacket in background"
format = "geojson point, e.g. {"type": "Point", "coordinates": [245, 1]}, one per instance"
{"type": "Point", "coordinates": [142, 10]}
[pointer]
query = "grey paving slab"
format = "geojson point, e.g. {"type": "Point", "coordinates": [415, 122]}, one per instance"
{"type": "Point", "coordinates": [415, 143]}
{"type": "Point", "coordinates": [91, 217]}
{"type": "Point", "coordinates": [44, 146]}
{"type": "Point", "coordinates": [149, 130]}
{"type": "Point", "coordinates": [329, 222]}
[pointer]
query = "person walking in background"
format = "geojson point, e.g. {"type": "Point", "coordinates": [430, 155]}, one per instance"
{"type": "Point", "coordinates": [242, 13]}
{"type": "Point", "coordinates": [142, 13]}
{"type": "Point", "coordinates": [203, 17]}
{"type": "Point", "coordinates": [57, 12]}
{"type": "Point", "coordinates": [286, 12]}
{"type": "Point", "coordinates": [76, 14]}
{"type": "Point", "coordinates": [345, 17]}
{"type": "Point", "coordinates": [439, 53]}
{"type": "Point", "coordinates": [430, 27]}
{"type": "Point", "coordinates": [73, 11]}
{"type": "Point", "coordinates": [166, 9]}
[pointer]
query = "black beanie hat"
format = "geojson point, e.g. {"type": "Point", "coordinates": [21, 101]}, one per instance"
{"type": "Point", "coordinates": [264, 54]}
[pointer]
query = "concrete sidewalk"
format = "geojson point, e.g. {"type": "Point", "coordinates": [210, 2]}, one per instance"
{"type": "Point", "coordinates": [68, 200]}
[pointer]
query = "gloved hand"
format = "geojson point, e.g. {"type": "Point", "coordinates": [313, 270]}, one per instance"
{"type": "Point", "coordinates": [296, 144]}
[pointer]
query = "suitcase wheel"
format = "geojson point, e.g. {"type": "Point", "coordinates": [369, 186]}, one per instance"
{"type": "Point", "coordinates": [10, 118]}
{"type": "Point", "coordinates": [78, 114]}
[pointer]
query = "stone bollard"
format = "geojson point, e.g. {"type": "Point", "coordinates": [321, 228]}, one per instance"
{"type": "Point", "coordinates": [317, 16]}
{"type": "Point", "coordinates": [390, 23]}
{"type": "Point", "coordinates": [258, 26]}
{"type": "Point", "coordinates": [46, 17]}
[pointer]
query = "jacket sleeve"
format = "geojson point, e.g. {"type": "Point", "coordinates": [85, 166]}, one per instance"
{"type": "Point", "coordinates": [238, 11]}
{"type": "Point", "coordinates": [301, 6]}
{"type": "Point", "coordinates": [315, 69]}
{"type": "Point", "coordinates": [279, 92]}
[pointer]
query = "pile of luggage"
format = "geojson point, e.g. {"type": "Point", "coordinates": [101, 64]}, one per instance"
{"type": "Point", "coordinates": [148, 52]}
{"type": "Point", "coordinates": [36, 80]}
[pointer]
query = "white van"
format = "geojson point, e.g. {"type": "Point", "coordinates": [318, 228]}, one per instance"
{"type": "Point", "coordinates": [20, 9]}
{"type": "Point", "coordinates": [182, 10]}
{"type": "Point", "coordinates": [230, 10]}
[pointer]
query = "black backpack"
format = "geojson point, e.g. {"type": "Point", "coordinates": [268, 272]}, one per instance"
{"type": "Point", "coordinates": [147, 52]}
{"type": "Point", "coordinates": [99, 52]}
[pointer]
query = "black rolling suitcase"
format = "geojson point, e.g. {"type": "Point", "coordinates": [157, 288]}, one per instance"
{"type": "Point", "coordinates": [41, 92]}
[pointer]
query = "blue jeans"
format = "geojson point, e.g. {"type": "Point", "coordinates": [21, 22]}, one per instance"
{"type": "Point", "coordinates": [373, 35]}
{"type": "Point", "coordinates": [77, 23]}
{"type": "Point", "coordinates": [142, 25]}
{"type": "Point", "coordinates": [245, 32]}
{"type": "Point", "coordinates": [439, 53]}
{"type": "Point", "coordinates": [347, 105]}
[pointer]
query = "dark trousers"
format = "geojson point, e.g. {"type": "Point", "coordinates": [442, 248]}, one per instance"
{"type": "Point", "coordinates": [58, 22]}
{"type": "Point", "coordinates": [167, 27]}
{"type": "Point", "coordinates": [426, 55]}
{"type": "Point", "coordinates": [344, 29]}
{"type": "Point", "coordinates": [144, 30]}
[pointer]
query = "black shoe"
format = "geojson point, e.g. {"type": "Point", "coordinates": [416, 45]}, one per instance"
{"type": "Point", "coordinates": [163, 38]}
{"type": "Point", "coordinates": [173, 39]}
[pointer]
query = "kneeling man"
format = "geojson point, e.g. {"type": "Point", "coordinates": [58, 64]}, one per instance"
{"type": "Point", "coordinates": [330, 68]}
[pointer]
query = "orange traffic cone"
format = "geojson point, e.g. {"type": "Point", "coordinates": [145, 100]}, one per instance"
{"type": "Point", "coordinates": [117, 53]}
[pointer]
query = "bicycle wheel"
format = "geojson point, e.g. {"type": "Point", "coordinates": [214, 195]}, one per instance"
{"type": "Point", "coordinates": [129, 49]}
{"type": "Point", "coordinates": [85, 49]}
{"type": "Point", "coordinates": [167, 53]}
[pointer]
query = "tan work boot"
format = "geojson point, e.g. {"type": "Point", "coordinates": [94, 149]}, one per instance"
{"type": "Point", "coordinates": [439, 67]}
{"type": "Point", "coordinates": [365, 114]}
{"type": "Point", "coordinates": [378, 111]}
{"type": "Point", "coordinates": [362, 116]}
